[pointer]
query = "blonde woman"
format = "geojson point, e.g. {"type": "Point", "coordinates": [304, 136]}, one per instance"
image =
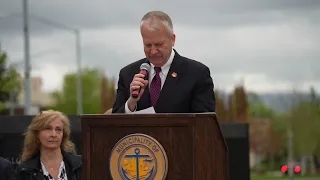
{"type": "Point", "coordinates": [48, 153]}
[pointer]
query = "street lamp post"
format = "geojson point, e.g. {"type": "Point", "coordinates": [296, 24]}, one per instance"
{"type": "Point", "coordinates": [27, 67]}
{"type": "Point", "coordinates": [75, 31]}
{"type": "Point", "coordinates": [79, 82]}
{"type": "Point", "coordinates": [16, 65]}
{"type": "Point", "coordinates": [290, 154]}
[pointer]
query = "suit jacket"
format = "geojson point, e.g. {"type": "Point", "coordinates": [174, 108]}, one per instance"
{"type": "Point", "coordinates": [191, 91]}
{"type": "Point", "coordinates": [5, 169]}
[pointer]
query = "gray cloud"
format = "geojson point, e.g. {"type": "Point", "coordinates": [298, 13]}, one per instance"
{"type": "Point", "coordinates": [110, 61]}
{"type": "Point", "coordinates": [98, 13]}
{"type": "Point", "coordinates": [276, 41]}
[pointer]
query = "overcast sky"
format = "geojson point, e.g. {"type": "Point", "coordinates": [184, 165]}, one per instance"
{"type": "Point", "coordinates": [274, 45]}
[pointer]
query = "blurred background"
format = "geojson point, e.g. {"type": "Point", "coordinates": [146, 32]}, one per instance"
{"type": "Point", "coordinates": [264, 58]}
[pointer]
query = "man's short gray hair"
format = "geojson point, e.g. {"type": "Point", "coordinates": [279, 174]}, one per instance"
{"type": "Point", "coordinates": [154, 18]}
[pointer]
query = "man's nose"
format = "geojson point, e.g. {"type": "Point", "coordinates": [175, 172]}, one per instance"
{"type": "Point", "coordinates": [154, 50]}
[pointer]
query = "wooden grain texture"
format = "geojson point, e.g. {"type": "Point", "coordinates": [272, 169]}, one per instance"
{"type": "Point", "coordinates": [210, 150]}
{"type": "Point", "coordinates": [194, 143]}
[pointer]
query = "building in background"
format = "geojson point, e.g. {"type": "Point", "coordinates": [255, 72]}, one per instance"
{"type": "Point", "coordinates": [39, 98]}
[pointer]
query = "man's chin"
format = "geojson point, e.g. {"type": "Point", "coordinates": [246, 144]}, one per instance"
{"type": "Point", "coordinates": [157, 61]}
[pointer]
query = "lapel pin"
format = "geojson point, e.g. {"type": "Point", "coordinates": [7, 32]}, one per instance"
{"type": "Point", "coordinates": [174, 74]}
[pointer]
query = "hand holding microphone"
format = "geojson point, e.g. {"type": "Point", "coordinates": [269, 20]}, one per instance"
{"type": "Point", "coordinates": [140, 81]}
{"type": "Point", "coordinates": [137, 86]}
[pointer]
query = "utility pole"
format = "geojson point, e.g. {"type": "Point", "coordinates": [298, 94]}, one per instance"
{"type": "Point", "coordinates": [78, 53]}
{"type": "Point", "coordinates": [79, 82]}
{"type": "Point", "coordinates": [12, 104]}
{"type": "Point", "coordinates": [290, 154]}
{"type": "Point", "coordinates": [27, 68]}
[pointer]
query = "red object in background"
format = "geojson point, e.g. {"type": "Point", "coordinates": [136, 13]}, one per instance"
{"type": "Point", "coordinates": [296, 168]}
{"type": "Point", "coordinates": [284, 168]}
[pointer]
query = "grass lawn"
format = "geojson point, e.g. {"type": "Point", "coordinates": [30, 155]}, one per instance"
{"type": "Point", "coordinates": [255, 177]}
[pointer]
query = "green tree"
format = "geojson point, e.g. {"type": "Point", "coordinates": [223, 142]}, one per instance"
{"type": "Point", "coordinates": [10, 81]}
{"type": "Point", "coordinates": [305, 125]}
{"type": "Point", "coordinates": [271, 133]}
{"type": "Point", "coordinates": [257, 108]}
{"type": "Point", "coordinates": [304, 119]}
{"type": "Point", "coordinates": [66, 99]}
{"type": "Point", "coordinates": [107, 93]}
{"type": "Point", "coordinates": [261, 110]}
{"type": "Point", "coordinates": [313, 94]}
{"type": "Point", "coordinates": [315, 100]}
{"type": "Point", "coordinates": [221, 109]}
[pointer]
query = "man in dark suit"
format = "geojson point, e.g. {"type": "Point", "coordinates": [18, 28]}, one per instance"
{"type": "Point", "coordinates": [175, 84]}
{"type": "Point", "coordinates": [5, 169]}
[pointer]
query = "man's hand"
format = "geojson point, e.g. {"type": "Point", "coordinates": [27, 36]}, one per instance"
{"type": "Point", "coordinates": [137, 82]}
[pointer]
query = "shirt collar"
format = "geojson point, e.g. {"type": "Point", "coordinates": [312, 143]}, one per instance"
{"type": "Point", "coordinates": [165, 68]}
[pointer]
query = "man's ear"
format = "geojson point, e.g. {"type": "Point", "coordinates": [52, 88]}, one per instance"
{"type": "Point", "coordinates": [173, 39]}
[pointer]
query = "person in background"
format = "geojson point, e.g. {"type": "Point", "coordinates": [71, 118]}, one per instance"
{"type": "Point", "coordinates": [5, 169]}
{"type": "Point", "coordinates": [48, 152]}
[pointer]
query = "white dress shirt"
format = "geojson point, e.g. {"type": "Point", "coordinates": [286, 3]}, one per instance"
{"type": "Point", "coordinates": [163, 74]}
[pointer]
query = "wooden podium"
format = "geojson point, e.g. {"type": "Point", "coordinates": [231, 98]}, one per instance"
{"type": "Point", "coordinates": [158, 146]}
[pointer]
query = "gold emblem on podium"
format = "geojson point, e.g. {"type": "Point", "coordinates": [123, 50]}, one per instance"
{"type": "Point", "coordinates": [138, 157]}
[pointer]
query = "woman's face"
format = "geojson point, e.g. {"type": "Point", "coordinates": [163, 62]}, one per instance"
{"type": "Point", "coordinates": [51, 136]}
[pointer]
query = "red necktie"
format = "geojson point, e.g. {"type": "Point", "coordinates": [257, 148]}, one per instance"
{"type": "Point", "coordinates": [155, 87]}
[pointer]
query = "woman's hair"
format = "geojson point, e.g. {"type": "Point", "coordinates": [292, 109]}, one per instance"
{"type": "Point", "coordinates": [39, 122]}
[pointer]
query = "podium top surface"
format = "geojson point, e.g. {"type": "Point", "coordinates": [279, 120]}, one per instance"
{"type": "Point", "coordinates": [97, 116]}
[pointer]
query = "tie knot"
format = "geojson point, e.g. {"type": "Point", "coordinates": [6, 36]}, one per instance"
{"type": "Point", "coordinates": [157, 69]}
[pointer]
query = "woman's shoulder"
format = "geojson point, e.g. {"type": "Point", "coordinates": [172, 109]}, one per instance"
{"type": "Point", "coordinates": [74, 159]}
{"type": "Point", "coordinates": [71, 155]}
{"type": "Point", "coordinates": [32, 163]}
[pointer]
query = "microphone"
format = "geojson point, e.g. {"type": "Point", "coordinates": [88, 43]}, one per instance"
{"type": "Point", "coordinates": [144, 69]}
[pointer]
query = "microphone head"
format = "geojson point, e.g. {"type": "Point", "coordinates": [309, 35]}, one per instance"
{"type": "Point", "coordinates": [145, 66]}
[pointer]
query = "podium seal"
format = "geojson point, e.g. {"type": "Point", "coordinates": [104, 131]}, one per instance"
{"type": "Point", "coordinates": [138, 157]}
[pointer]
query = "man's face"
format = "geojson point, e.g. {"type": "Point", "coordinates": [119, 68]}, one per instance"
{"type": "Point", "coordinates": [157, 44]}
